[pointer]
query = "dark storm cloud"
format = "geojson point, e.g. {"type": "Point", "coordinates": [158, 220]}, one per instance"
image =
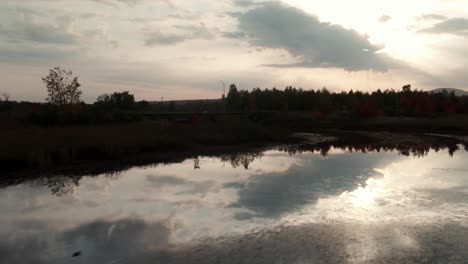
{"type": "Point", "coordinates": [272, 194]}
{"type": "Point", "coordinates": [455, 26]}
{"type": "Point", "coordinates": [315, 44]}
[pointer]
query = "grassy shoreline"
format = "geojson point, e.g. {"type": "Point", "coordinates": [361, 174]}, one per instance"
{"type": "Point", "coordinates": [45, 149]}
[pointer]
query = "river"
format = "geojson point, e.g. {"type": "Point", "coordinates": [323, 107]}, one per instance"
{"type": "Point", "coordinates": [272, 206]}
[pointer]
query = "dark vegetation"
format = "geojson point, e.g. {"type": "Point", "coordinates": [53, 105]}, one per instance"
{"type": "Point", "coordinates": [406, 102]}
{"type": "Point", "coordinates": [320, 106]}
{"type": "Point", "coordinates": [41, 148]}
{"type": "Point", "coordinates": [68, 132]}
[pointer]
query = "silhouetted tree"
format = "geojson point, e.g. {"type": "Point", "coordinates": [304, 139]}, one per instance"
{"type": "Point", "coordinates": [62, 87]}
{"type": "Point", "coordinates": [233, 100]}
{"type": "Point", "coordinates": [123, 100]}
{"type": "Point", "coordinates": [407, 88]}
{"type": "Point", "coordinates": [406, 102]}
{"type": "Point", "coordinates": [6, 97]}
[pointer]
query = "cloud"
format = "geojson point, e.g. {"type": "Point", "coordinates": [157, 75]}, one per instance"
{"type": "Point", "coordinates": [28, 54]}
{"type": "Point", "coordinates": [315, 44]}
{"type": "Point", "coordinates": [28, 30]}
{"type": "Point", "coordinates": [455, 26]}
{"type": "Point", "coordinates": [183, 33]}
{"type": "Point", "coordinates": [101, 34]}
{"type": "Point", "coordinates": [432, 17]}
{"type": "Point", "coordinates": [384, 19]}
{"type": "Point", "coordinates": [158, 38]}
{"type": "Point", "coordinates": [244, 3]}
{"type": "Point", "coordinates": [131, 3]}
{"type": "Point", "coordinates": [234, 35]}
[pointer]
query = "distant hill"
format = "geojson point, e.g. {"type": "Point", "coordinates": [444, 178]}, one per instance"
{"type": "Point", "coordinates": [458, 92]}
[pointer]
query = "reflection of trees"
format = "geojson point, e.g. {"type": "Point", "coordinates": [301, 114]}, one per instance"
{"type": "Point", "coordinates": [196, 163]}
{"type": "Point", "coordinates": [60, 185]}
{"type": "Point", "coordinates": [239, 159]}
{"type": "Point", "coordinates": [416, 149]}
{"type": "Point", "coordinates": [452, 149]}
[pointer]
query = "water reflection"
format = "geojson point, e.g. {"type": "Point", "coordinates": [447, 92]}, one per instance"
{"type": "Point", "coordinates": [296, 204]}
{"type": "Point", "coordinates": [417, 149]}
{"type": "Point", "coordinates": [60, 185]}
{"type": "Point", "coordinates": [238, 159]}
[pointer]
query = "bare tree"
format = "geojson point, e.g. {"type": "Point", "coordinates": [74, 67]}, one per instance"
{"type": "Point", "coordinates": [6, 97]}
{"type": "Point", "coordinates": [62, 87]}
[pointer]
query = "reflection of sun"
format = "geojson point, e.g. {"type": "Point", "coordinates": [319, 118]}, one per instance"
{"type": "Point", "coordinates": [365, 196]}
{"type": "Point", "coordinates": [362, 197]}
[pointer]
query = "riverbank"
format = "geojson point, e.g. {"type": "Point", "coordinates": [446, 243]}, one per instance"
{"type": "Point", "coordinates": [90, 150]}
{"type": "Point", "coordinates": [442, 124]}
{"type": "Point", "coordinates": [53, 148]}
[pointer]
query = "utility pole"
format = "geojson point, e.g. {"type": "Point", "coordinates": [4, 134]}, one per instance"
{"type": "Point", "coordinates": [224, 88]}
{"type": "Point", "coordinates": [224, 95]}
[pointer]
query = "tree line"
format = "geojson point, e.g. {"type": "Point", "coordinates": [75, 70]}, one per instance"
{"type": "Point", "coordinates": [404, 102]}
{"type": "Point", "coordinates": [65, 104]}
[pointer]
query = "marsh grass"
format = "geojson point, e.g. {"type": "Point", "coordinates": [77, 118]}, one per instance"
{"type": "Point", "coordinates": [45, 147]}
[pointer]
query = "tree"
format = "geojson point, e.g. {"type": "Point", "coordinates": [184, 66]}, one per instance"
{"type": "Point", "coordinates": [407, 88]}
{"type": "Point", "coordinates": [6, 96]}
{"type": "Point", "coordinates": [103, 99]}
{"type": "Point", "coordinates": [233, 99]}
{"type": "Point", "coordinates": [119, 100]}
{"type": "Point", "coordinates": [62, 87]}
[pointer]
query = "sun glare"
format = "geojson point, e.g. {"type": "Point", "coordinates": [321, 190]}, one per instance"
{"type": "Point", "coordinates": [364, 196]}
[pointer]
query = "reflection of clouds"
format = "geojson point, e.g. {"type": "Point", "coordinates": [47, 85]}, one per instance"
{"type": "Point", "coordinates": [99, 241]}
{"type": "Point", "coordinates": [190, 187]}
{"type": "Point", "coordinates": [271, 194]}
{"type": "Point", "coordinates": [123, 237]}
{"type": "Point", "coordinates": [136, 241]}
{"type": "Point", "coordinates": [338, 242]}
{"type": "Point", "coordinates": [161, 181]}
{"type": "Point", "coordinates": [410, 189]}
{"type": "Point", "coordinates": [199, 188]}
{"type": "Point", "coordinates": [234, 185]}
{"type": "Point", "coordinates": [276, 189]}
{"type": "Point", "coordinates": [202, 198]}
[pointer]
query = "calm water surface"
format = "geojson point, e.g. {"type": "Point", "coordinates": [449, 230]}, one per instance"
{"type": "Point", "coordinates": [270, 207]}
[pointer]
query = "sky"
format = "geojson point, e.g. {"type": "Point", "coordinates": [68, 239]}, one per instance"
{"type": "Point", "coordinates": [185, 49]}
